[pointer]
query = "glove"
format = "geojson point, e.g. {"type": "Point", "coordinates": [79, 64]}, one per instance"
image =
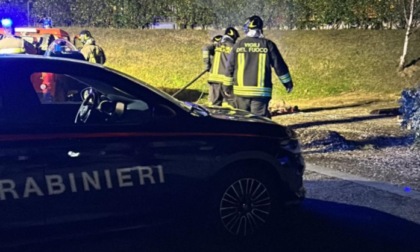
{"type": "Point", "coordinates": [289, 87]}
{"type": "Point", "coordinates": [227, 90]}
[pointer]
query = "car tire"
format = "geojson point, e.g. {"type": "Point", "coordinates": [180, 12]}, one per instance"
{"type": "Point", "coordinates": [246, 203]}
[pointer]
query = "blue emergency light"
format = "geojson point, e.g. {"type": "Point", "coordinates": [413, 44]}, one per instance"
{"type": "Point", "coordinates": [6, 23]}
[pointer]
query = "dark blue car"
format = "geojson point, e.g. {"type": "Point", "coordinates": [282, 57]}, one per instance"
{"type": "Point", "coordinates": [85, 149]}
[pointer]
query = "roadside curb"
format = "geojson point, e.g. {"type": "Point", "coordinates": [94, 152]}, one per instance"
{"type": "Point", "coordinates": [399, 190]}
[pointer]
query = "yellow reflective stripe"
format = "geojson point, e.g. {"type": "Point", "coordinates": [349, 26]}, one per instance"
{"type": "Point", "coordinates": [228, 81]}
{"type": "Point", "coordinates": [241, 69]}
{"type": "Point", "coordinates": [285, 78]}
{"type": "Point", "coordinates": [252, 91]}
{"type": "Point", "coordinates": [253, 88]}
{"type": "Point", "coordinates": [216, 77]}
{"type": "Point", "coordinates": [216, 63]}
{"type": "Point", "coordinates": [261, 69]}
{"type": "Point", "coordinates": [205, 54]}
{"type": "Point", "coordinates": [12, 50]}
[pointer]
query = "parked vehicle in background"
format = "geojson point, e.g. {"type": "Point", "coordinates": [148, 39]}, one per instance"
{"type": "Point", "coordinates": [40, 37]}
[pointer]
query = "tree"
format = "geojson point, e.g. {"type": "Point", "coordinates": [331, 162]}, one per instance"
{"type": "Point", "coordinates": [289, 14]}
{"type": "Point", "coordinates": [413, 6]}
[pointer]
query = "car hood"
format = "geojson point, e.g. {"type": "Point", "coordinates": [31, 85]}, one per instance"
{"type": "Point", "coordinates": [236, 115]}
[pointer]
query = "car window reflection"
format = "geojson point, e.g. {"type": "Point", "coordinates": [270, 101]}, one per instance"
{"type": "Point", "coordinates": [56, 88]}
{"type": "Point", "coordinates": [63, 99]}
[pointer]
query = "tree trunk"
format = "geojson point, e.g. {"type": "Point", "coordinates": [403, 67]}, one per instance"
{"type": "Point", "coordinates": [404, 54]}
{"type": "Point", "coordinates": [407, 36]}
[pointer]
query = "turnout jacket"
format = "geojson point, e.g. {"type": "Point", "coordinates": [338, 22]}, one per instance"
{"type": "Point", "coordinates": [249, 67]}
{"type": "Point", "coordinates": [215, 57]}
{"type": "Point", "coordinates": [10, 44]}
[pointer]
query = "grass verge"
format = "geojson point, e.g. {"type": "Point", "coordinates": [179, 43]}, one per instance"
{"type": "Point", "coordinates": [324, 64]}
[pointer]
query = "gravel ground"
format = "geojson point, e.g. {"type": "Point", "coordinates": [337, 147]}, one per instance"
{"type": "Point", "coordinates": [351, 139]}
{"type": "Point", "coordinates": [319, 186]}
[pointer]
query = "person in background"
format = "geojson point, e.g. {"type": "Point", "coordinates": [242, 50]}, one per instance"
{"type": "Point", "coordinates": [11, 44]}
{"type": "Point", "coordinates": [208, 52]}
{"type": "Point", "coordinates": [45, 21]}
{"type": "Point", "coordinates": [90, 50]}
{"type": "Point", "coordinates": [249, 69]}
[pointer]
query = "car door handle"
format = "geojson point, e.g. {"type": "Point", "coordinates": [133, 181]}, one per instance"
{"type": "Point", "coordinates": [73, 154]}
{"type": "Point", "coordinates": [22, 158]}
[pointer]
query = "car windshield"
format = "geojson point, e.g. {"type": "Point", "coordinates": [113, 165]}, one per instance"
{"type": "Point", "coordinates": [100, 86]}
{"type": "Point", "coordinates": [187, 106]}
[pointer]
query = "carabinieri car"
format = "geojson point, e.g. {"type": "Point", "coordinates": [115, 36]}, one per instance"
{"type": "Point", "coordinates": [86, 149]}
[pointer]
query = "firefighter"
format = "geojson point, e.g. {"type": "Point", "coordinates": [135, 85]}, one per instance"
{"type": "Point", "coordinates": [92, 52]}
{"type": "Point", "coordinates": [11, 44]}
{"type": "Point", "coordinates": [208, 52]}
{"type": "Point", "coordinates": [86, 38]}
{"type": "Point", "coordinates": [219, 51]}
{"type": "Point", "coordinates": [249, 69]}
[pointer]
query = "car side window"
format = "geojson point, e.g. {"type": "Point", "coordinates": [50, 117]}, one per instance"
{"type": "Point", "coordinates": [56, 88]}
{"type": "Point", "coordinates": [1, 102]}
{"type": "Point", "coordinates": [72, 99]}
{"type": "Point", "coordinates": [19, 104]}
{"type": "Point", "coordinates": [1, 96]}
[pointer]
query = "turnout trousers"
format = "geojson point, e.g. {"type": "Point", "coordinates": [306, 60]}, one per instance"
{"type": "Point", "coordinates": [255, 105]}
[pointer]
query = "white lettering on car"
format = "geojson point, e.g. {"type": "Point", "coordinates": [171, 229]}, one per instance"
{"type": "Point", "coordinates": [55, 184]}
{"type": "Point", "coordinates": [10, 188]}
{"type": "Point", "coordinates": [145, 172]}
{"type": "Point", "coordinates": [84, 181]}
{"type": "Point", "coordinates": [72, 182]}
{"type": "Point", "coordinates": [91, 181]}
{"type": "Point", "coordinates": [31, 187]}
{"type": "Point", "coordinates": [160, 172]}
{"type": "Point", "coordinates": [108, 179]}
{"type": "Point", "coordinates": [124, 177]}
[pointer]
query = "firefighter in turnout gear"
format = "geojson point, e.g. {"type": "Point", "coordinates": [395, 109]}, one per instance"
{"type": "Point", "coordinates": [215, 58]}
{"type": "Point", "coordinates": [11, 44]}
{"type": "Point", "coordinates": [249, 69]}
{"type": "Point", "coordinates": [90, 50]}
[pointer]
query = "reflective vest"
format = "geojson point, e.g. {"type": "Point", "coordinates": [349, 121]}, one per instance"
{"type": "Point", "coordinates": [15, 45]}
{"type": "Point", "coordinates": [249, 67]}
{"type": "Point", "coordinates": [219, 53]}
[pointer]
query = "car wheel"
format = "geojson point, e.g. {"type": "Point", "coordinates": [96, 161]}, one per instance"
{"type": "Point", "coordinates": [246, 204]}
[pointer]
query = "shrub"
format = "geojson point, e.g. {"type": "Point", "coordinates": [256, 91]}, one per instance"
{"type": "Point", "coordinates": [410, 110]}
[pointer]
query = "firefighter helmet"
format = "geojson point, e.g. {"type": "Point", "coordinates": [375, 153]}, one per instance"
{"type": "Point", "coordinates": [86, 32]}
{"type": "Point", "coordinates": [84, 35]}
{"type": "Point", "coordinates": [232, 32]}
{"type": "Point", "coordinates": [253, 23]}
{"type": "Point", "coordinates": [216, 38]}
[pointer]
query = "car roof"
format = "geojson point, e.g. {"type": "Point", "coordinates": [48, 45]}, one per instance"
{"type": "Point", "coordinates": [34, 57]}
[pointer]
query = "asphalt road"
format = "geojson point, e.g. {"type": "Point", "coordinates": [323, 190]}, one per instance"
{"type": "Point", "coordinates": [338, 215]}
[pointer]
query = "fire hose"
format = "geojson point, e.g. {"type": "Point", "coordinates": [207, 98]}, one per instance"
{"type": "Point", "coordinates": [190, 83]}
